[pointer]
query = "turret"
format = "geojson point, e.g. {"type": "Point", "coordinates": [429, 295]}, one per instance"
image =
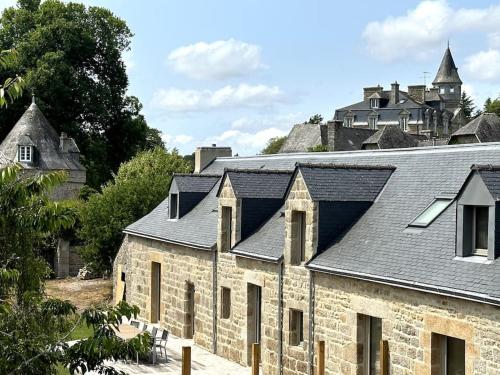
{"type": "Point", "coordinates": [448, 81]}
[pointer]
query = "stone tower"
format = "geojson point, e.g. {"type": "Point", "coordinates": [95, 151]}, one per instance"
{"type": "Point", "coordinates": [448, 81]}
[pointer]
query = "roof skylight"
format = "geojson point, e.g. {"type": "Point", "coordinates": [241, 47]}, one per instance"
{"type": "Point", "coordinates": [431, 212]}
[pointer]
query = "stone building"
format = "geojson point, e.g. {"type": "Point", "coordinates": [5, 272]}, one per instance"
{"type": "Point", "coordinates": [434, 111]}
{"type": "Point", "coordinates": [36, 146]}
{"type": "Point", "coordinates": [348, 247]}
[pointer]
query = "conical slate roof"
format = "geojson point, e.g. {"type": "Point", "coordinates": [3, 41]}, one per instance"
{"type": "Point", "coordinates": [34, 129]}
{"type": "Point", "coordinates": [447, 72]}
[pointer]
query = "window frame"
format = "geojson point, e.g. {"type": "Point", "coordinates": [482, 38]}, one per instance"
{"type": "Point", "coordinates": [415, 223]}
{"type": "Point", "coordinates": [348, 121]}
{"type": "Point", "coordinates": [296, 327]}
{"type": "Point", "coordinates": [443, 359]}
{"type": "Point", "coordinates": [23, 152]}
{"type": "Point", "coordinates": [374, 103]}
{"type": "Point", "coordinates": [225, 305]}
{"type": "Point", "coordinates": [367, 325]}
{"type": "Point", "coordinates": [374, 124]}
{"type": "Point", "coordinates": [442, 90]}
{"type": "Point", "coordinates": [227, 222]}
{"type": "Point", "coordinates": [299, 225]}
{"type": "Point", "coordinates": [174, 197]}
{"type": "Point", "coordinates": [403, 123]}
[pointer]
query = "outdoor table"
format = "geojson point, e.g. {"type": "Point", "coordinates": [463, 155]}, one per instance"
{"type": "Point", "coordinates": [127, 332]}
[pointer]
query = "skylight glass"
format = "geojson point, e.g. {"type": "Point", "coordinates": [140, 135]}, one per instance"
{"type": "Point", "coordinates": [432, 212]}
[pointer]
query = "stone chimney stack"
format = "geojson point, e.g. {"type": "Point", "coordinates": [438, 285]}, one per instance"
{"type": "Point", "coordinates": [369, 91]}
{"type": "Point", "coordinates": [417, 92]}
{"type": "Point", "coordinates": [203, 156]}
{"type": "Point", "coordinates": [394, 98]}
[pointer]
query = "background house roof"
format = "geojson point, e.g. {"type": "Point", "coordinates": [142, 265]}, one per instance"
{"type": "Point", "coordinates": [34, 126]}
{"type": "Point", "coordinates": [391, 136]}
{"type": "Point", "coordinates": [486, 127]}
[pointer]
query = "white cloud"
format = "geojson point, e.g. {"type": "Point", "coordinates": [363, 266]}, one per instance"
{"type": "Point", "coordinates": [176, 140]}
{"type": "Point", "coordinates": [423, 29]}
{"type": "Point", "coordinates": [218, 60]}
{"type": "Point", "coordinates": [243, 95]}
{"type": "Point", "coordinates": [256, 141]}
{"type": "Point", "coordinates": [484, 65]}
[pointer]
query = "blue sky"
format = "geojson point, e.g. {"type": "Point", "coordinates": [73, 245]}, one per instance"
{"type": "Point", "coordinates": [236, 73]}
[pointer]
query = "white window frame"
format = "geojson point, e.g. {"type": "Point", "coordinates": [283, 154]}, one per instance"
{"type": "Point", "coordinates": [452, 90]}
{"type": "Point", "coordinates": [348, 121]}
{"type": "Point", "coordinates": [374, 103]}
{"type": "Point", "coordinates": [372, 122]}
{"type": "Point", "coordinates": [403, 123]}
{"type": "Point", "coordinates": [25, 154]}
{"type": "Point", "coordinates": [475, 250]}
{"type": "Point", "coordinates": [442, 90]}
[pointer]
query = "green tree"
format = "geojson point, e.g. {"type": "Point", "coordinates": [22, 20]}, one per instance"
{"type": "Point", "coordinates": [316, 119]}
{"type": "Point", "coordinates": [467, 106]}
{"type": "Point", "coordinates": [273, 146]}
{"type": "Point", "coordinates": [318, 148]}
{"type": "Point", "coordinates": [486, 105]}
{"type": "Point", "coordinates": [34, 329]}
{"type": "Point", "coordinates": [71, 57]}
{"type": "Point", "coordinates": [492, 106]}
{"type": "Point", "coordinates": [138, 187]}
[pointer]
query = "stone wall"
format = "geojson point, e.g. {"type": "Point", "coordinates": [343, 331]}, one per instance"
{"type": "Point", "coordinates": [409, 318]}
{"type": "Point", "coordinates": [180, 265]}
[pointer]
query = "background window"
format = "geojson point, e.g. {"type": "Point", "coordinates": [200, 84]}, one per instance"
{"type": "Point", "coordinates": [348, 122]}
{"type": "Point", "coordinates": [225, 303]}
{"type": "Point", "coordinates": [372, 122]}
{"type": "Point", "coordinates": [296, 327]}
{"type": "Point", "coordinates": [370, 337]}
{"type": "Point", "coordinates": [25, 153]}
{"type": "Point", "coordinates": [449, 355]}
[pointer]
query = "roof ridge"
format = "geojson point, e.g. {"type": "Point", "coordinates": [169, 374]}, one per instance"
{"type": "Point", "coordinates": [259, 171]}
{"type": "Point", "coordinates": [485, 167]}
{"type": "Point", "coordinates": [196, 175]}
{"type": "Point", "coordinates": [344, 166]}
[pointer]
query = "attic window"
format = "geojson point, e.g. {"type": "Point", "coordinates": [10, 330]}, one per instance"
{"type": "Point", "coordinates": [174, 202]}
{"type": "Point", "coordinates": [348, 120]}
{"type": "Point", "coordinates": [25, 154]}
{"type": "Point", "coordinates": [373, 103]}
{"type": "Point", "coordinates": [431, 212]}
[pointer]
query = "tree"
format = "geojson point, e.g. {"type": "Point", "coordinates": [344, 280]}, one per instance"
{"type": "Point", "coordinates": [34, 329]}
{"type": "Point", "coordinates": [138, 187]}
{"type": "Point", "coordinates": [318, 148]}
{"type": "Point", "coordinates": [467, 106]}
{"type": "Point", "coordinates": [316, 119]}
{"type": "Point", "coordinates": [274, 145]}
{"type": "Point", "coordinates": [487, 104]}
{"type": "Point", "coordinates": [70, 56]}
{"type": "Point", "coordinates": [492, 106]}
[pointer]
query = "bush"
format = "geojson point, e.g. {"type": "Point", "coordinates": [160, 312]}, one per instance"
{"type": "Point", "coordinates": [139, 186]}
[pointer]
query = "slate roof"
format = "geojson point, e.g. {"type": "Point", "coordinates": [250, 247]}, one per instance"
{"type": "Point", "coordinates": [34, 129]}
{"type": "Point", "coordinates": [391, 137]}
{"type": "Point", "coordinates": [195, 183]}
{"type": "Point", "coordinates": [263, 184]}
{"type": "Point", "coordinates": [490, 175]}
{"type": "Point", "coordinates": [337, 182]}
{"type": "Point", "coordinates": [198, 228]}
{"type": "Point", "coordinates": [405, 102]}
{"type": "Point", "coordinates": [486, 127]}
{"type": "Point", "coordinates": [268, 242]}
{"type": "Point", "coordinates": [302, 137]}
{"type": "Point", "coordinates": [447, 72]}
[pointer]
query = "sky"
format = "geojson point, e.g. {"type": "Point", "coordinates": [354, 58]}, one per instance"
{"type": "Point", "coordinates": [237, 73]}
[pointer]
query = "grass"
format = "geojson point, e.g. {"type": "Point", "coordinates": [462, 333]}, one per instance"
{"type": "Point", "coordinates": [82, 331]}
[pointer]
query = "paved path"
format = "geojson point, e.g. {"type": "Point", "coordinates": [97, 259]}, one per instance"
{"type": "Point", "coordinates": [202, 362]}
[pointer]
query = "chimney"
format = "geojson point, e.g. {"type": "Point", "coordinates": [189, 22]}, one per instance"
{"type": "Point", "coordinates": [417, 92]}
{"type": "Point", "coordinates": [203, 156]}
{"type": "Point", "coordinates": [369, 91]}
{"type": "Point", "coordinates": [394, 98]}
{"type": "Point", "coordinates": [63, 143]}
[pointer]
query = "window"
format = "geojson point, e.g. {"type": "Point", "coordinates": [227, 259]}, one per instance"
{"type": "Point", "coordinates": [298, 237]}
{"type": "Point", "coordinates": [370, 336]}
{"type": "Point", "coordinates": [448, 355]}
{"type": "Point", "coordinates": [452, 90]}
{"type": "Point", "coordinates": [403, 123]}
{"type": "Point", "coordinates": [173, 205]}
{"type": "Point", "coordinates": [373, 103]}
{"type": "Point", "coordinates": [431, 212]}
{"type": "Point", "coordinates": [225, 303]}
{"type": "Point", "coordinates": [442, 90]}
{"type": "Point", "coordinates": [372, 122]}
{"type": "Point", "coordinates": [227, 221]}
{"type": "Point", "coordinates": [296, 327]}
{"type": "Point", "coordinates": [348, 121]}
{"type": "Point", "coordinates": [480, 230]}
{"type": "Point", "coordinates": [25, 153]}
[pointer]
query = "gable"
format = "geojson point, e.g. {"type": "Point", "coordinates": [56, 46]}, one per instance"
{"type": "Point", "coordinates": [475, 192]}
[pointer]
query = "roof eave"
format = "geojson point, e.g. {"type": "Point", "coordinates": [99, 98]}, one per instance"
{"type": "Point", "coordinates": [166, 240]}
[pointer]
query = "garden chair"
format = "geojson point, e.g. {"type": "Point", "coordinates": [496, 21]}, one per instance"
{"type": "Point", "coordinates": [161, 342]}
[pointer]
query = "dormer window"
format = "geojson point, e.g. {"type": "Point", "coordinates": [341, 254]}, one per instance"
{"type": "Point", "coordinates": [174, 205]}
{"type": "Point", "coordinates": [442, 90]}
{"type": "Point", "coordinates": [298, 254]}
{"type": "Point", "coordinates": [25, 154]}
{"type": "Point", "coordinates": [372, 122]}
{"type": "Point", "coordinates": [348, 121]}
{"type": "Point", "coordinates": [374, 103]}
{"type": "Point", "coordinates": [403, 123]}
{"type": "Point", "coordinates": [227, 224]}
{"type": "Point", "coordinates": [452, 90]}
{"type": "Point", "coordinates": [479, 228]}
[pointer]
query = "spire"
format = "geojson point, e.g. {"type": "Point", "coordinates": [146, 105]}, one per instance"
{"type": "Point", "coordinates": [447, 72]}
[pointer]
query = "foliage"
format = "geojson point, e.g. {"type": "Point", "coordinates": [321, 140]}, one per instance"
{"type": "Point", "coordinates": [316, 119]}
{"type": "Point", "coordinates": [28, 216]}
{"type": "Point", "coordinates": [12, 88]}
{"type": "Point", "coordinates": [273, 146]}
{"type": "Point", "coordinates": [318, 148]}
{"type": "Point", "coordinates": [139, 186]}
{"type": "Point", "coordinates": [71, 58]}
{"type": "Point", "coordinates": [467, 106]}
{"type": "Point", "coordinates": [492, 106]}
